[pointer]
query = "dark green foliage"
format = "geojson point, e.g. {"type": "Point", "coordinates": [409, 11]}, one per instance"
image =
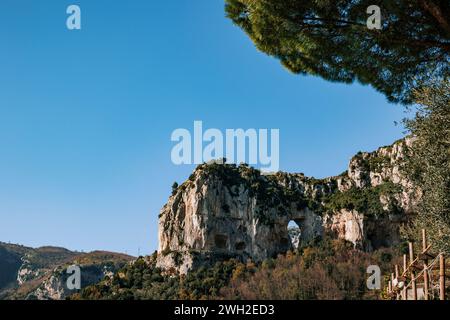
{"type": "Point", "coordinates": [48, 256]}
{"type": "Point", "coordinates": [174, 188]}
{"type": "Point", "coordinates": [373, 162]}
{"type": "Point", "coordinates": [377, 163]}
{"type": "Point", "coordinates": [205, 283]}
{"type": "Point", "coordinates": [227, 173]}
{"type": "Point", "coordinates": [428, 165]}
{"type": "Point", "coordinates": [166, 251]}
{"type": "Point", "coordinates": [327, 269]}
{"type": "Point", "coordinates": [365, 200]}
{"type": "Point", "coordinates": [178, 258]}
{"type": "Point", "coordinates": [330, 39]}
{"type": "Point", "coordinates": [142, 280]}
{"type": "Point", "coordinates": [9, 265]}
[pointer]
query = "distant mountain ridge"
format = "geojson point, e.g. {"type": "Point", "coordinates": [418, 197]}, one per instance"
{"type": "Point", "coordinates": [40, 273]}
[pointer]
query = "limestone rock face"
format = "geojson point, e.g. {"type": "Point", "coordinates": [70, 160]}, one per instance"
{"type": "Point", "coordinates": [348, 225]}
{"type": "Point", "coordinates": [209, 216]}
{"type": "Point", "coordinates": [42, 273]}
{"type": "Point", "coordinates": [54, 286]}
{"type": "Point", "coordinates": [295, 235]}
{"type": "Point", "coordinates": [225, 211]}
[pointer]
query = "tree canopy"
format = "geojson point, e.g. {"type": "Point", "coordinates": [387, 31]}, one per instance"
{"type": "Point", "coordinates": [428, 165]}
{"type": "Point", "coordinates": [330, 39]}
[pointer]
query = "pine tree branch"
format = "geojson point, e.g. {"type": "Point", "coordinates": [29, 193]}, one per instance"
{"type": "Point", "coordinates": [436, 12]}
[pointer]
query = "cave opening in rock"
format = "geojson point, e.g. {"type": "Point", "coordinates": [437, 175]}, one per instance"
{"type": "Point", "coordinates": [221, 241]}
{"type": "Point", "coordinates": [240, 246]}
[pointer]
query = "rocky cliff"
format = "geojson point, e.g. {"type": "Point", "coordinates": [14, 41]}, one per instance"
{"type": "Point", "coordinates": [225, 210]}
{"type": "Point", "coordinates": [41, 273]}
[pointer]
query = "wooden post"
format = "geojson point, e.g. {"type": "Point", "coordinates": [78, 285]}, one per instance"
{"type": "Point", "coordinates": [425, 265]}
{"type": "Point", "coordinates": [392, 284]}
{"type": "Point", "coordinates": [413, 274]}
{"type": "Point", "coordinates": [441, 277]}
{"type": "Point", "coordinates": [424, 240]}
{"type": "Point", "coordinates": [405, 267]}
{"type": "Point", "coordinates": [397, 281]}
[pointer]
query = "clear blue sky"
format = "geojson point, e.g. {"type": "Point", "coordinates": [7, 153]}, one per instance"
{"type": "Point", "coordinates": [86, 116]}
